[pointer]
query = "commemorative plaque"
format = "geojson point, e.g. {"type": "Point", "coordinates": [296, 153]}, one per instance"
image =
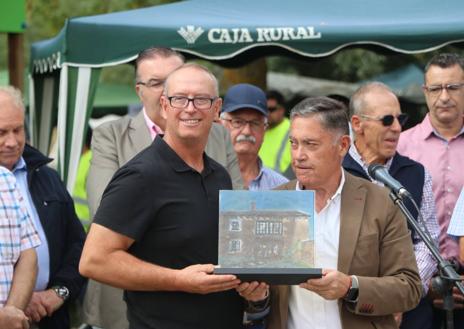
{"type": "Point", "coordinates": [267, 236]}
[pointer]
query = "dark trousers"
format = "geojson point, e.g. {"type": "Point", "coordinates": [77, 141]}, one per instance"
{"type": "Point", "coordinates": [439, 319]}
{"type": "Point", "coordinates": [420, 317]}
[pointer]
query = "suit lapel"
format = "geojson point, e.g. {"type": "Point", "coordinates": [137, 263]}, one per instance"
{"type": "Point", "coordinates": [351, 215]}
{"type": "Point", "coordinates": [138, 132]}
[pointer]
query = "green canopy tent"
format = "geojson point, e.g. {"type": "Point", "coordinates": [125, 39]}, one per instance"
{"type": "Point", "coordinates": [65, 69]}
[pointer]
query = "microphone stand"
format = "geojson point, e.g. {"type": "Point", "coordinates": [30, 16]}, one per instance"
{"type": "Point", "coordinates": [448, 275]}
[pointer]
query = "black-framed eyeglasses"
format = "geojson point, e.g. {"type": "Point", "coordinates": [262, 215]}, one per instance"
{"type": "Point", "coordinates": [152, 83]}
{"type": "Point", "coordinates": [238, 123]}
{"type": "Point", "coordinates": [200, 103]}
{"type": "Point", "coordinates": [387, 120]}
{"type": "Point", "coordinates": [451, 88]}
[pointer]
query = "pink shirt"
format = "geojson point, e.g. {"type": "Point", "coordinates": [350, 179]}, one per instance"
{"type": "Point", "coordinates": [153, 128]}
{"type": "Point", "coordinates": [445, 162]}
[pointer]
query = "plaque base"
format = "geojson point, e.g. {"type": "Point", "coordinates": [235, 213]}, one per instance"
{"type": "Point", "coordinates": [273, 276]}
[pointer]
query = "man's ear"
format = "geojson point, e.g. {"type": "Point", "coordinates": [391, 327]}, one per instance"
{"type": "Point", "coordinates": [139, 91]}
{"type": "Point", "coordinates": [345, 143]}
{"type": "Point", "coordinates": [217, 107]}
{"type": "Point", "coordinates": [356, 124]}
{"type": "Point", "coordinates": [163, 105]}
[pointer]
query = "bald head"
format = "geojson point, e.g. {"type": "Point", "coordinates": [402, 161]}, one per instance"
{"type": "Point", "coordinates": [191, 68]}
{"type": "Point", "coordinates": [365, 98]}
{"type": "Point", "coordinates": [376, 120]}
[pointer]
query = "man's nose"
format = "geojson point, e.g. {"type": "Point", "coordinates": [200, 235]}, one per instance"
{"type": "Point", "coordinates": [444, 95]}
{"type": "Point", "coordinates": [11, 140]}
{"type": "Point", "coordinates": [396, 125]}
{"type": "Point", "coordinates": [190, 108]}
{"type": "Point", "coordinates": [246, 129]}
{"type": "Point", "coordinates": [298, 153]}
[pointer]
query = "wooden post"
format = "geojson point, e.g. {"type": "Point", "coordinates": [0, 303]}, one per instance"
{"type": "Point", "coordinates": [16, 60]}
{"type": "Point", "coordinates": [254, 73]}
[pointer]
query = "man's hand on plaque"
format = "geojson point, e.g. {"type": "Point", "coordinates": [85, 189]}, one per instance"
{"type": "Point", "coordinates": [253, 291]}
{"type": "Point", "coordinates": [198, 279]}
{"type": "Point", "coordinates": [332, 285]}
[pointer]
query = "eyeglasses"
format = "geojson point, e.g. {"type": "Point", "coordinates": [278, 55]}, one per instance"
{"type": "Point", "coordinates": [237, 123]}
{"type": "Point", "coordinates": [200, 103]}
{"type": "Point", "coordinates": [451, 88]}
{"type": "Point", "coordinates": [152, 83]}
{"type": "Point", "coordinates": [387, 120]}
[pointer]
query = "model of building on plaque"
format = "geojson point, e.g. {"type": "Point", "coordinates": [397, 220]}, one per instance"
{"type": "Point", "coordinates": [266, 229]}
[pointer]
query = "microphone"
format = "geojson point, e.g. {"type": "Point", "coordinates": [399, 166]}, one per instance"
{"type": "Point", "coordinates": [380, 173]}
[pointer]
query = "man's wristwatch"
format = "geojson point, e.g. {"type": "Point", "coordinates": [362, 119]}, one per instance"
{"type": "Point", "coordinates": [352, 293]}
{"type": "Point", "coordinates": [61, 291]}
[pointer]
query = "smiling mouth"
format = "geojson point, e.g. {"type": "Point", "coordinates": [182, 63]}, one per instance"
{"type": "Point", "coordinates": [190, 121]}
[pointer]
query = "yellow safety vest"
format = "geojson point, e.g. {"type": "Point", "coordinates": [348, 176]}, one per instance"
{"type": "Point", "coordinates": [275, 151]}
{"type": "Point", "coordinates": [80, 194]}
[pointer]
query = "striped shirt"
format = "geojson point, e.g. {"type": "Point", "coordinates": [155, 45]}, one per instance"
{"type": "Point", "coordinates": [17, 232]}
{"type": "Point", "coordinates": [425, 262]}
{"type": "Point", "coordinates": [456, 227]}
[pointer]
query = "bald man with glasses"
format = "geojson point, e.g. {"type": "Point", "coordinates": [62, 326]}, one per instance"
{"type": "Point", "coordinates": [115, 143]}
{"type": "Point", "coordinates": [377, 122]}
{"type": "Point", "coordinates": [155, 234]}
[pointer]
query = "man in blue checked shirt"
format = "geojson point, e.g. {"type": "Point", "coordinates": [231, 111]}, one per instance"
{"type": "Point", "coordinates": [18, 259]}
{"type": "Point", "coordinates": [244, 113]}
{"type": "Point", "coordinates": [377, 121]}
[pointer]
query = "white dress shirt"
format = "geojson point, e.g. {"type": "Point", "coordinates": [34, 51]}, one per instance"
{"type": "Point", "coordinates": [306, 308]}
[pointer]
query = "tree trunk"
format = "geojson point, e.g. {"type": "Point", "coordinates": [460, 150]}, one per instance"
{"type": "Point", "coordinates": [253, 73]}
{"type": "Point", "coordinates": [15, 60]}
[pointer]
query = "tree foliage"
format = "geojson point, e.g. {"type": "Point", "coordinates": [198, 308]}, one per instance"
{"type": "Point", "coordinates": [45, 18]}
{"type": "Point", "coordinates": [352, 64]}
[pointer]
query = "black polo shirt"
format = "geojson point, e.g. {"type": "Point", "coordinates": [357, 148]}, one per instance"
{"type": "Point", "coordinates": [171, 211]}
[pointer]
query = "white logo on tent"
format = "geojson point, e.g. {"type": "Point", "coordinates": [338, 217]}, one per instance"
{"type": "Point", "coordinates": [190, 33]}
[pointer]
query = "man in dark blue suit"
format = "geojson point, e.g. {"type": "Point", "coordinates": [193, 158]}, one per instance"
{"type": "Point", "coordinates": [52, 211]}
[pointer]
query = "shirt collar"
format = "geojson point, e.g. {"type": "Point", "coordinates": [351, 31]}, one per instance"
{"type": "Point", "coordinates": [353, 151]}
{"type": "Point", "coordinates": [176, 162]}
{"type": "Point", "coordinates": [20, 165]}
{"type": "Point", "coordinates": [260, 170]}
{"type": "Point", "coordinates": [337, 193]}
{"type": "Point", "coordinates": [152, 127]}
{"type": "Point", "coordinates": [427, 129]}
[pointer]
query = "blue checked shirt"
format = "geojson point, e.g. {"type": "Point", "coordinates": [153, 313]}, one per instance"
{"type": "Point", "coordinates": [425, 262]}
{"type": "Point", "coordinates": [17, 232]}
{"type": "Point", "coordinates": [456, 226]}
{"type": "Point", "coordinates": [267, 179]}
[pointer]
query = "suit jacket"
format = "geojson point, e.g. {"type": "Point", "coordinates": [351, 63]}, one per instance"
{"type": "Point", "coordinates": [113, 145]}
{"type": "Point", "coordinates": [374, 245]}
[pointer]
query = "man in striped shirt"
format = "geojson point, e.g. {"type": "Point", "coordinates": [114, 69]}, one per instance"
{"type": "Point", "coordinates": [18, 259]}
{"type": "Point", "coordinates": [377, 122]}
